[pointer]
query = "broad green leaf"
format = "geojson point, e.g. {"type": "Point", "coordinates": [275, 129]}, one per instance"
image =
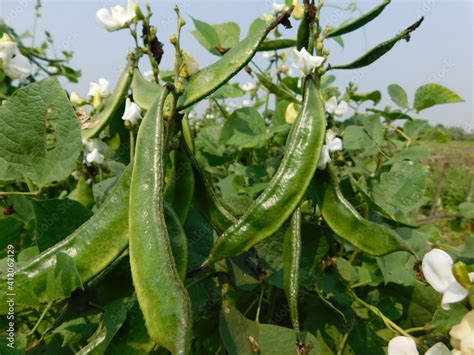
{"type": "Point", "coordinates": [228, 91]}
{"type": "Point", "coordinates": [375, 53]}
{"type": "Point", "coordinates": [78, 329]}
{"type": "Point", "coordinates": [415, 153]}
{"type": "Point", "coordinates": [374, 96]}
{"type": "Point", "coordinates": [391, 115]}
{"type": "Point", "coordinates": [11, 229]}
{"type": "Point", "coordinates": [215, 37]}
{"type": "Point", "coordinates": [56, 219]}
{"type": "Point", "coordinates": [401, 190]}
{"type": "Point", "coordinates": [242, 336]}
{"type": "Point", "coordinates": [357, 139]}
{"type": "Point", "coordinates": [398, 267]}
{"type": "Point", "coordinates": [115, 314]}
{"type": "Point", "coordinates": [132, 338]}
{"type": "Point", "coordinates": [245, 128]}
{"type": "Point", "coordinates": [434, 94]}
{"type": "Point", "coordinates": [444, 320]}
{"type": "Point", "coordinates": [398, 95]}
{"type": "Point", "coordinates": [144, 91]}
{"type": "Point", "coordinates": [39, 134]}
{"type": "Point", "coordinates": [63, 279]}
{"type": "Point", "coordinates": [415, 128]}
{"type": "Point", "coordinates": [360, 21]}
{"type": "Point", "coordinates": [347, 271]}
{"type": "Point", "coordinates": [112, 107]}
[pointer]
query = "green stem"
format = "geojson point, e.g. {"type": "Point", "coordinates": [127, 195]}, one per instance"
{"type": "Point", "coordinates": [40, 319]}
{"type": "Point", "coordinates": [221, 109]}
{"type": "Point", "coordinates": [132, 144]}
{"type": "Point", "coordinates": [257, 316]}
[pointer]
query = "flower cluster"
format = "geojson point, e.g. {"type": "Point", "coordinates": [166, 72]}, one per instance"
{"type": "Point", "coordinates": [118, 17]}
{"type": "Point", "coordinates": [333, 144]}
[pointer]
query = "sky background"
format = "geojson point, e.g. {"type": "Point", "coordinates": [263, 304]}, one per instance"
{"type": "Point", "coordinates": [440, 51]}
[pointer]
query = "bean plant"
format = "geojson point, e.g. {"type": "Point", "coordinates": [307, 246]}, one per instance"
{"type": "Point", "coordinates": [184, 213]}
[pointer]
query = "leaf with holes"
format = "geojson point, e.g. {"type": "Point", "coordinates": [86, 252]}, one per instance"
{"type": "Point", "coordinates": [40, 135]}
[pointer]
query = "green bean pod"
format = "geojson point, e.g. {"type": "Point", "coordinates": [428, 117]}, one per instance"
{"type": "Point", "coordinates": [286, 188]}
{"type": "Point", "coordinates": [380, 50]}
{"type": "Point", "coordinates": [277, 90]}
{"type": "Point", "coordinates": [291, 266]}
{"type": "Point", "coordinates": [302, 37]}
{"type": "Point", "coordinates": [210, 78]}
{"type": "Point", "coordinates": [360, 21]}
{"type": "Point", "coordinates": [371, 238]}
{"type": "Point", "coordinates": [113, 106]}
{"type": "Point", "coordinates": [93, 246]}
{"type": "Point", "coordinates": [275, 44]}
{"type": "Point", "coordinates": [144, 91]}
{"type": "Point", "coordinates": [161, 294]}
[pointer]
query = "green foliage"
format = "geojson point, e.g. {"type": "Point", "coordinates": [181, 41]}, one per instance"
{"type": "Point", "coordinates": [238, 242]}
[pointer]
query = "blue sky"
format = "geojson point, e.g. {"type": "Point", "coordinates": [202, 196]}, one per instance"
{"type": "Point", "coordinates": [440, 51]}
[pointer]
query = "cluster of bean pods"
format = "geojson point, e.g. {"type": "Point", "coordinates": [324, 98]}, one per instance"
{"type": "Point", "coordinates": [145, 210]}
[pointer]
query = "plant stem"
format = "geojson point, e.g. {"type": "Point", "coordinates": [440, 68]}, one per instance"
{"type": "Point", "coordinates": [40, 319]}
{"type": "Point", "coordinates": [132, 144]}
{"type": "Point", "coordinates": [257, 316]}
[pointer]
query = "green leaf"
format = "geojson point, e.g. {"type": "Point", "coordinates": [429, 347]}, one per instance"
{"type": "Point", "coordinates": [132, 338]}
{"type": "Point", "coordinates": [375, 53]}
{"type": "Point", "coordinates": [56, 219]}
{"type": "Point", "coordinates": [357, 139]}
{"type": "Point", "coordinates": [144, 91]}
{"type": "Point", "coordinates": [39, 134]}
{"type": "Point", "coordinates": [360, 21]}
{"type": "Point", "coordinates": [63, 279]}
{"type": "Point", "coordinates": [245, 128]}
{"type": "Point", "coordinates": [466, 209]}
{"type": "Point", "coordinates": [224, 35]}
{"type": "Point", "coordinates": [374, 96]}
{"type": "Point", "coordinates": [401, 190]}
{"type": "Point", "coordinates": [11, 229]}
{"type": "Point", "coordinates": [115, 314]}
{"type": "Point", "coordinates": [398, 95]}
{"type": "Point", "coordinates": [398, 267]}
{"type": "Point", "coordinates": [434, 94]}
{"type": "Point", "coordinates": [228, 91]}
{"type": "Point", "coordinates": [75, 330]}
{"type": "Point", "coordinates": [242, 336]}
{"type": "Point", "coordinates": [444, 320]}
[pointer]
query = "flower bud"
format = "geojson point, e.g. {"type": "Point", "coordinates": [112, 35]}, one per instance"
{"type": "Point", "coordinates": [298, 11]}
{"type": "Point", "coordinates": [291, 114]}
{"type": "Point", "coordinates": [461, 274]}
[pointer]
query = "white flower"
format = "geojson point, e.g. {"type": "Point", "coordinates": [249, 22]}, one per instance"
{"type": "Point", "coordinates": [95, 157]}
{"type": "Point", "coordinates": [306, 62]}
{"type": "Point", "coordinates": [15, 66]}
{"type": "Point", "coordinates": [438, 349]}
{"type": "Point", "coordinates": [268, 55]}
{"type": "Point", "coordinates": [149, 75]}
{"type": "Point", "coordinates": [53, 70]}
{"type": "Point", "coordinates": [333, 143]}
{"type": "Point", "coordinates": [437, 269]}
{"type": "Point", "coordinates": [324, 158]}
{"type": "Point", "coordinates": [334, 109]}
{"type": "Point", "coordinates": [99, 89]}
{"type": "Point", "coordinates": [132, 112]}
{"type": "Point", "coordinates": [76, 99]}
{"type": "Point", "coordinates": [278, 7]}
{"type": "Point", "coordinates": [248, 87]}
{"type": "Point", "coordinates": [246, 103]}
{"type": "Point", "coordinates": [119, 17]}
{"type": "Point", "coordinates": [402, 346]}
{"type": "Point", "coordinates": [462, 334]}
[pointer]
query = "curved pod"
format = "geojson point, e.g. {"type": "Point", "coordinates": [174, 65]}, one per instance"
{"type": "Point", "coordinates": [286, 188]}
